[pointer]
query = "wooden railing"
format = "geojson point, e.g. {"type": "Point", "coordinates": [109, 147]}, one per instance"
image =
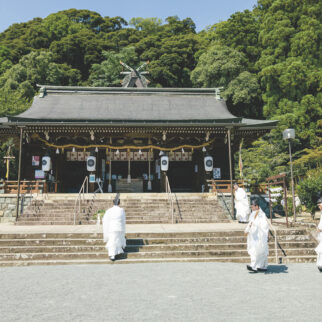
{"type": "Point", "coordinates": [224, 186]}
{"type": "Point", "coordinates": [34, 186]}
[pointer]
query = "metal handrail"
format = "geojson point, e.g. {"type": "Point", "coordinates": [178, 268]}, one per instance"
{"type": "Point", "coordinates": [220, 194]}
{"type": "Point", "coordinates": [170, 197]}
{"type": "Point", "coordinates": [80, 197]}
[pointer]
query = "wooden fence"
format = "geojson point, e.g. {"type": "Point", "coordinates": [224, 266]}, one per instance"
{"type": "Point", "coordinates": [35, 186]}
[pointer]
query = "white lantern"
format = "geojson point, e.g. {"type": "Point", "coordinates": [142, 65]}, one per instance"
{"type": "Point", "coordinates": [91, 163]}
{"type": "Point", "coordinates": [289, 134]}
{"type": "Point", "coordinates": [164, 163]}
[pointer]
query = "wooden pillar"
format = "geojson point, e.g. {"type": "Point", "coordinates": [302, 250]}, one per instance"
{"type": "Point", "coordinates": [19, 172]}
{"type": "Point", "coordinates": [149, 187]}
{"type": "Point", "coordinates": [231, 174]}
{"type": "Point", "coordinates": [162, 181]}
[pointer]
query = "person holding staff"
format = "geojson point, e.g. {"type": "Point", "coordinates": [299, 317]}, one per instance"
{"type": "Point", "coordinates": [319, 230]}
{"type": "Point", "coordinates": [257, 239]}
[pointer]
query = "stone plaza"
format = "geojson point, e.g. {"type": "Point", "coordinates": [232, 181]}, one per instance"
{"type": "Point", "coordinates": [160, 292]}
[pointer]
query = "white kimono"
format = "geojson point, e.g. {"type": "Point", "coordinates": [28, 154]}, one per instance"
{"type": "Point", "coordinates": [257, 243]}
{"type": "Point", "coordinates": [114, 230]}
{"type": "Point", "coordinates": [319, 248]}
{"type": "Point", "coordinates": [241, 205]}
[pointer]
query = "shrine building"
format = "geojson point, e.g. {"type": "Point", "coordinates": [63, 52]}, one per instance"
{"type": "Point", "coordinates": [118, 136]}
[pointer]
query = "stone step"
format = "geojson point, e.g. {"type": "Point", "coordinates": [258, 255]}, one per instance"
{"type": "Point", "coordinates": [85, 221]}
{"type": "Point", "coordinates": [290, 259]}
{"type": "Point", "coordinates": [300, 234]}
{"type": "Point", "coordinates": [44, 217]}
{"type": "Point", "coordinates": [146, 254]}
{"type": "Point", "coordinates": [234, 242]}
{"type": "Point", "coordinates": [136, 247]}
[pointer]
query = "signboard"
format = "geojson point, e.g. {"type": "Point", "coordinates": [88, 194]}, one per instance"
{"type": "Point", "coordinates": [92, 178]}
{"type": "Point", "coordinates": [35, 161]}
{"type": "Point", "coordinates": [124, 156]}
{"type": "Point", "coordinates": [80, 156]}
{"type": "Point", "coordinates": [77, 156]}
{"type": "Point", "coordinates": [39, 174]}
{"type": "Point", "coordinates": [73, 156]}
{"type": "Point", "coordinates": [180, 156]}
{"type": "Point", "coordinates": [216, 173]}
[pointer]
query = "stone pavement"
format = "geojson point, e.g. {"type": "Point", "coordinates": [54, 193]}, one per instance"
{"type": "Point", "coordinates": [160, 292]}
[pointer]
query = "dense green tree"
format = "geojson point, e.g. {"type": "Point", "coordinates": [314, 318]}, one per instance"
{"type": "Point", "coordinates": [218, 66]}
{"type": "Point", "coordinates": [79, 50]}
{"type": "Point", "coordinates": [240, 32]}
{"type": "Point", "coordinates": [5, 59]}
{"type": "Point", "coordinates": [34, 68]}
{"type": "Point", "coordinates": [149, 25]}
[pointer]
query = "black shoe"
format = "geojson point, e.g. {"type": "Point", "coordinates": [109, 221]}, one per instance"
{"type": "Point", "coordinates": [251, 269]}
{"type": "Point", "coordinates": [262, 269]}
{"type": "Point", "coordinates": [320, 268]}
{"type": "Point", "coordinates": [112, 259]}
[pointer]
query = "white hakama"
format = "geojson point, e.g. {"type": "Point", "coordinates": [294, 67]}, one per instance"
{"type": "Point", "coordinates": [257, 239]}
{"type": "Point", "coordinates": [114, 230]}
{"type": "Point", "coordinates": [319, 248]}
{"type": "Point", "coordinates": [241, 205]}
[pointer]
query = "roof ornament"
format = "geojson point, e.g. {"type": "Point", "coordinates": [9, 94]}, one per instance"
{"type": "Point", "coordinates": [217, 90]}
{"type": "Point", "coordinates": [134, 78]}
{"type": "Point", "coordinates": [42, 92]}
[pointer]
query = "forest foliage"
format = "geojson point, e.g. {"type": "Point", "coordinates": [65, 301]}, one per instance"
{"type": "Point", "coordinates": [267, 60]}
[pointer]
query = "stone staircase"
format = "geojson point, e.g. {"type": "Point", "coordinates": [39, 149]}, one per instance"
{"type": "Point", "coordinates": [140, 208]}
{"type": "Point", "coordinates": [295, 245]}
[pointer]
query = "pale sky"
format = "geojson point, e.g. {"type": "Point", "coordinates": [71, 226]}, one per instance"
{"type": "Point", "coordinates": [202, 12]}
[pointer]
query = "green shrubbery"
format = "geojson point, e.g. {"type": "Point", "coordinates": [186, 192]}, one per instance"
{"type": "Point", "coordinates": [309, 190]}
{"type": "Point", "coordinates": [100, 212]}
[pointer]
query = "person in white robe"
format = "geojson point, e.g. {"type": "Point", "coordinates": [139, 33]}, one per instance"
{"type": "Point", "coordinates": [114, 229]}
{"type": "Point", "coordinates": [241, 204]}
{"type": "Point", "coordinates": [319, 230]}
{"type": "Point", "coordinates": [257, 239]}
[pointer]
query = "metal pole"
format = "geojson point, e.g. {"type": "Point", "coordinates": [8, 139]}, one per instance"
{"type": "Point", "coordinates": [292, 181]}
{"type": "Point", "coordinates": [19, 173]}
{"type": "Point", "coordinates": [285, 200]}
{"type": "Point", "coordinates": [270, 203]}
{"type": "Point", "coordinates": [231, 175]}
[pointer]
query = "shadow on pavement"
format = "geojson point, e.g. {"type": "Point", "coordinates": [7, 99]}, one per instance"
{"type": "Point", "coordinates": [276, 269]}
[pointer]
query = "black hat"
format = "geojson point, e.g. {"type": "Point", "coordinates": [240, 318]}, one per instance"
{"type": "Point", "coordinates": [254, 202]}
{"type": "Point", "coordinates": [116, 199]}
